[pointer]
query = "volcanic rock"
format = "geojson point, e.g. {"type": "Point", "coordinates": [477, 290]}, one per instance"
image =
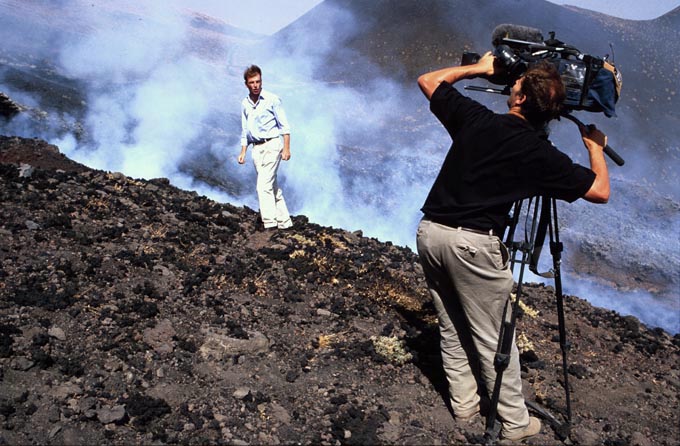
{"type": "Point", "coordinates": [134, 312]}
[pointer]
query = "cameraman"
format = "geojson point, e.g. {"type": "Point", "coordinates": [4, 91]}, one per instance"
{"type": "Point", "coordinates": [495, 160]}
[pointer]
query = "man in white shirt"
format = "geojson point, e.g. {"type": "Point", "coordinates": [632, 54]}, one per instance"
{"type": "Point", "coordinates": [265, 126]}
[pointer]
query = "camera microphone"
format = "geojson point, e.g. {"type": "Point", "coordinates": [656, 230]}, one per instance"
{"type": "Point", "coordinates": [516, 32]}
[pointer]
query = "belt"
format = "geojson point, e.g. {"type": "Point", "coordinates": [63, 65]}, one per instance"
{"type": "Point", "coordinates": [259, 143]}
{"type": "Point", "coordinates": [473, 230]}
{"type": "Point", "coordinates": [477, 231]}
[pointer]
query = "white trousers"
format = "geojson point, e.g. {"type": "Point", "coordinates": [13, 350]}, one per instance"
{"type": "Point", "coordinates": [273, 210]}
{"type": "Point", "coordinates": [469, 279]}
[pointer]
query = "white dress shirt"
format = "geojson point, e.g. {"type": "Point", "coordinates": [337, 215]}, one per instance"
{"type": "Point", "coordinates": [262, 120]}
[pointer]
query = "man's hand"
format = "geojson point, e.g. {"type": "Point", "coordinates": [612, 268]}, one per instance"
{"type": "Point", "coordinates": [429, 82]}
{"type": "Point", "coordinates": [487, 64]}
{"type": "Point", "coordinates": [592, 137]}
{"type": "Point", "coordinates": [242, 155]}
{"type": "Point", "coordinates": [285, 153]}
{"type": "Point", "coordinates": [595, 141]}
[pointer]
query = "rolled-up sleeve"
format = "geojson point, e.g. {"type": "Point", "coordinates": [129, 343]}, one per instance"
{"type": "Point", "coordinates": [281, 118]}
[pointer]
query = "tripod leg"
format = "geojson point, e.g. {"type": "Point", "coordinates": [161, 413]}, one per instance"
{"type": "Point", "coordinates": [501, 361]}
{"type": "Point", "coordinates": [507, 331]}
{"type": "Point", "coordinates": [556, 248]}
{"type": "Point", "coordinates": [503, 354]}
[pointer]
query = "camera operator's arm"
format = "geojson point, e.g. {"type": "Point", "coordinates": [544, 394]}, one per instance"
{"type": "Point", "coordinates": [595, 141]}
{"type": "Point", "coordinates": [429, 82]}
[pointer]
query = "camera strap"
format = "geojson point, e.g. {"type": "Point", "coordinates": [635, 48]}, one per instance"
{"type": "Point", "coordinates": [541, 231]}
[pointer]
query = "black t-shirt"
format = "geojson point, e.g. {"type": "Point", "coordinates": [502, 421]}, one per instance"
{"type": "Point", "coordinates": [494, 161]}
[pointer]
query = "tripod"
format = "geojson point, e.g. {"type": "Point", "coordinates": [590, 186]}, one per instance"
{"type": "Point", "coordinates": [541, 218]}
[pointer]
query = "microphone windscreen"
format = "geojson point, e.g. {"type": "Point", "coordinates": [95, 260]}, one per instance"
{"type": "Point", "coordinates": [516, 32]}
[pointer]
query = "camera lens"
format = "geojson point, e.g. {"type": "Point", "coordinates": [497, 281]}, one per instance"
{"type": "Point", "coordinates": [513, 65]}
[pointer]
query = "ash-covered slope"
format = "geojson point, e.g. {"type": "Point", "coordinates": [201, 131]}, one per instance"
{"type": "Point", "coordinates": [134, 312]}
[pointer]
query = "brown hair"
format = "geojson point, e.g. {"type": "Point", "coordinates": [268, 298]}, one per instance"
{"type": "Point", "coordinates": [251, 71]}
{"type": "Point", "coordinates": [545, 93]}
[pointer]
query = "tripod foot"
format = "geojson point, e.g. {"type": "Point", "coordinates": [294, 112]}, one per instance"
{"type": "Point", "coordinates": [561, 429]}
{"type": "Point", "coordinates": [491, 433]}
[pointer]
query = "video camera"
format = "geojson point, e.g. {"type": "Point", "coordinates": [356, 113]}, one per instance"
{"type": "Point", "coordinates": [592, 83]}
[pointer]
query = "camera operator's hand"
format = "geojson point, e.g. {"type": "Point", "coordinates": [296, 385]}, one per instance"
{"type": "Point", "coordinates": [595, 141]}
{"type": "Point", "coordinates": [429, 82]}
{"type": "Point", "coordinates": [487, 64]}
{"type": "Point", "coordinates": [593, 138]}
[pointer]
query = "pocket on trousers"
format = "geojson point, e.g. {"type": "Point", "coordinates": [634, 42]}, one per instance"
{"type": "Point", "coordinates": [492, 255]}
{"type": "Point", "coordinates": [500, 256]}
{"type": "Point", "coordinates": [269, 157]}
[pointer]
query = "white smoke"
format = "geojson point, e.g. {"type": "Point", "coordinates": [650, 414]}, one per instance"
{"type": "Point", "coordinates": [650, 309]}
{"type": "Point", "coordinates": [148, 95]}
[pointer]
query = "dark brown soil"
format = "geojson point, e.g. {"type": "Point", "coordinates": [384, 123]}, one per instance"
{"type": "Point", "coordinates": [132, 312]}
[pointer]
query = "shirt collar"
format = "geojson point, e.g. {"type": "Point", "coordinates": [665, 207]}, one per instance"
{"type": "Point", "coordinates": [259, 99]}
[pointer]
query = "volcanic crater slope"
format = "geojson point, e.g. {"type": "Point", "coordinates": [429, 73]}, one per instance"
{"type": "Point", "coordinates": [133, 312]}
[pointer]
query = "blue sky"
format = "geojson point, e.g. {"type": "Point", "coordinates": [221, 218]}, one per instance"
{"type": "Point", "coordinates": [627, 9]}
{"type": "Point", "coordinates": [268, 16]}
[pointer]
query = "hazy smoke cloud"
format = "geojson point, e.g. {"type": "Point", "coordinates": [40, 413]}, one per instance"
{"type": "Point", "coordinates": [362, 158]}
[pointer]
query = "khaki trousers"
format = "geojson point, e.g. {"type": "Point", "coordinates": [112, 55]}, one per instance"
{"type": "Point", "coordinates": [273, 209]}
{"type": "Point", "coordinates": [470, 281]}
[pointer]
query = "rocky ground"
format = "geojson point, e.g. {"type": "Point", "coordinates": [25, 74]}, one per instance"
{"type": "Point", "coordinates": [132, 312]}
